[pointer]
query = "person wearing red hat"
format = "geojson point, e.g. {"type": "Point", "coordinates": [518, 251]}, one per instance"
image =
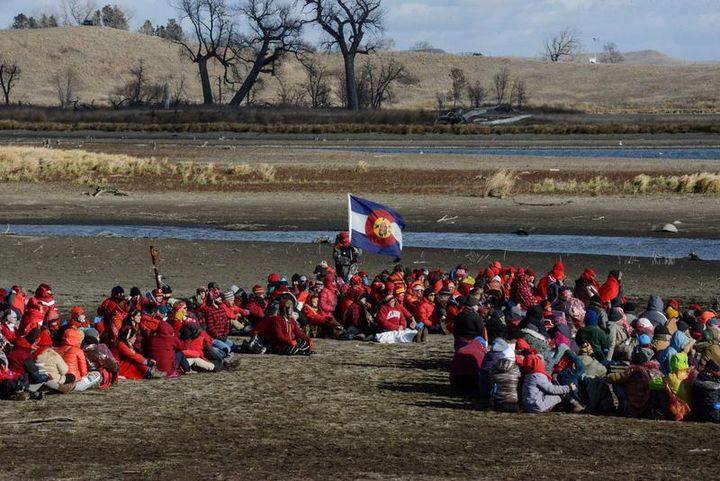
{"type": "Point", "coordinates": [37, 309]}
{"type": "Point", "coordinates": [549, 286]}
{"type": "Point", "coordinates": [256, 305]}
{"type": "Point", "coordinates": [346, 256]}
{"type": "Point", "coordinates": [586, 286]}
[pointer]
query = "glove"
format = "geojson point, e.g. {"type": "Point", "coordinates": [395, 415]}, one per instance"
{"type": "Point", "coordinates": [293, 343]}
{"type": "Point", "coordinates": [312, 345]}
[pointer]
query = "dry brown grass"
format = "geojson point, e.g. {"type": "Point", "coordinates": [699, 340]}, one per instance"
{"type": "Point", "coordinates": [102, 56]}
{"type": "Point", "coordinates": [500, 183]}
{"type": "Point", "coordinates": [31, 164]}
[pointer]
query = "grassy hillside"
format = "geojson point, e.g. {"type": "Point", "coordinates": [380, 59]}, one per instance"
{"type": "Point", "coordinates": [102, 58]}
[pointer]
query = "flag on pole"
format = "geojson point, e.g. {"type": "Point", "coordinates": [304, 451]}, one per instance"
{"type": "Point", "coordinates": [375, 227]}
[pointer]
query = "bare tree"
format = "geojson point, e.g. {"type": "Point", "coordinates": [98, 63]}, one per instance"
{"type": "Point", "coordinates": [212, 32]}
{"type": "Point", "coordinates": [274, 31]}
{"type": "Point", "coordinates": [75, 12]}
{"type": "Point", "coordinates": [379, 78]}
{"type": "Point", "coordinates": [476, 93]}
{"type": "Point", "coordinates": [317, 82]}
{"type": "Point", "coordinates": [9, 75]}
{"type": "Point", "coordinates": [138, 90]}
{"type": "Point", "coordinates": [518, 93]}
{"type": "Point", "coordinates": [459, 84]}
{"type": "Point", "coordinates": [440, 99]}
{"type": "Point", "coordinates": [350, 26]}
{"type": "Point", "coordinates": [564, 44]}
{"type": "Point", "coordinates": [501, 82]}
{"type": "Point", "coordinates": [67, 83]}
{"type": "Point", "coordinates": [422, 46]}
{"type": "Point", "coordinates": [288, 94]}
{"type": "Point", "coordinates": [611, 54]}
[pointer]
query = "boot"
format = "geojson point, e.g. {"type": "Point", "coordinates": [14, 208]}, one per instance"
{"type": "Point", "coordinates": [423, 334]}
{"type": "Point", "coordinates": [66, 388]}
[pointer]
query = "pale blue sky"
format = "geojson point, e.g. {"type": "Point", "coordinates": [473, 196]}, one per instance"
{"type": "Point", "coordinates": [686, 29]}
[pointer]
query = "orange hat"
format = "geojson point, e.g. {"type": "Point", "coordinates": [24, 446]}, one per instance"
{"type": "Point", "coordinates": [706, 316]}
{"type": "Point", "coordinates": [399, 289]}
{"type": "Point", "coordinates": [417, 285]}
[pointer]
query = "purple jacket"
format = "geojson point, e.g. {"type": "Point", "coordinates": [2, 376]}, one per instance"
{"type": "Point", "coordinates": [539, 395]}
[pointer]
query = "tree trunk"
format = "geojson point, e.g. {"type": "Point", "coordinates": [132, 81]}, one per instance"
{"type": "Point", "coordinates": [350, 83]}
{"type": "Point", "coordinates": [247, 85]}
{"type": "Point", "coordinates": [7, 97]}
{"type": "Point", "coordinates": [205, 81]}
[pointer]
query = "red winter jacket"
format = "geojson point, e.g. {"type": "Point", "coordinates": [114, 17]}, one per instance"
{"type": "Point", "coordinates": [9, 335]}
{"type": "Point", "coordinates": [132, 364]}
{"type": "Point", "coordinates": [256, 311]}
{"type": "Point", "coordinates": [610, 290]}
{"type": "Point", "coordinates": [71, 353]}
{"type": "Point", "coordinates": [34, 315]}
{"type": "Point", "coordinates": [392, 318]}
{"type": "Point", "coordinates": [162, 345]}
{"type": "Point", "coordinates": [425, 312]}
{"type": "Point", "coordinates": [19, 356]}
{"type": "Point", "coordinates": [315, 317]}
{"type": "Point", "coordinates": [110, 307]}
{"type": "Point", "coordinates": [278, 331]}
{"type": "Point", "coordinates": [328, 300]}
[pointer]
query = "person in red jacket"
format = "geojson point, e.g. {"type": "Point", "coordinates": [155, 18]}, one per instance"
{"type": "Point", "coordinates": [195, 343]}
{"type": "Point", "coordinates": [549, 286]}
{"type": "Point", "coordinates": [328, 296]}
{"type": "Point", "coordinates": [425, 311]}
{"type": "Point", "coordinates": [392, 316]}
{"type": "Point", "coordinates": [133, 365]}
{"type": "Point", "coordinates": [396, 324]}
{"type": "Point", "coordinates": [320, 324]}
{"type": "Point", "coordinates": [74, 357]}
{"type": "Point", "coordinates": [8, 328]}
{"type": "Point", "coordinates": [611, 292]}
{"type": "Point", "coordinates": [21, 363]}
{"type": "Point", "coordinates": [37, 309]}
{"type": "Point", "coordinates": [256, 305]}
{"type": "Point", "coordinates": [282, 335]}
{"type": "Point", "coordinates": [115, 304]}
{"type": "Point", "coordinates": [166, 350]}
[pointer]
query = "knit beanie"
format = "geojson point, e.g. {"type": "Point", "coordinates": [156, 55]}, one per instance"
{"type": "Point", "coordinates": [661, 330]}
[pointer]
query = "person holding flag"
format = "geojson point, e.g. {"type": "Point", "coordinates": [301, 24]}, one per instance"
{"type": "Point", "coordinates": [346, 257]}
{"type": "Point", "coordinates": [375, 227]}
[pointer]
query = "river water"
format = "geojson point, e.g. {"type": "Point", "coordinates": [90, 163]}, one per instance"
{"type": "Point", "coordinates": [666, 246]}
{"type": "Point", "coordinates": [625, 153]}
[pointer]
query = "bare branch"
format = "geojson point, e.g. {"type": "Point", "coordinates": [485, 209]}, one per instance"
{"type": "Point", "coordinates": [565, 44]}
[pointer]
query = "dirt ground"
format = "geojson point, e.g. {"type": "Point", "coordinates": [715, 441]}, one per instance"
{"type": "Point", "coordinates": [353, 410]}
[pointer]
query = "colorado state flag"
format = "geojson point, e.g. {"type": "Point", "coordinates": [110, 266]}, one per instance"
{"type": "Point", "coordinates": [375, 227]}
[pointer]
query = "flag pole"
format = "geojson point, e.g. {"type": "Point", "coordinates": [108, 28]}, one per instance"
{"type": "Point", "coordinates": [349, 217]}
